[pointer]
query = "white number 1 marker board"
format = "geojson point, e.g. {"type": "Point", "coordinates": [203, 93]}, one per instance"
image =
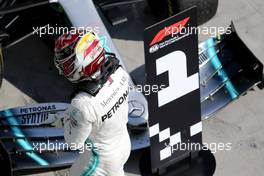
{"type": "Point", "coordinates": [171, 55]}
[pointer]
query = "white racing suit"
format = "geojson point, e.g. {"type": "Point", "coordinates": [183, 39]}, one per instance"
{"type": "Point", "coordinates": [100, 121]}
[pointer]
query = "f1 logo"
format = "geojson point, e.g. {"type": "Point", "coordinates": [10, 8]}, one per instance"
{"type": "Point", "coordinates": [179, 82]}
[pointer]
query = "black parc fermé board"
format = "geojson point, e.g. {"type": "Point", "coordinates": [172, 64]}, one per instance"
{"type": "Point", "coordinates": [174, 112]}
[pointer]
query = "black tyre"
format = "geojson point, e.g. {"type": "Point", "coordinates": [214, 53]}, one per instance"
{"type": "Point", "coordinates": [165, 8]}
{"type": "Point", "coordinates": [1, 67]}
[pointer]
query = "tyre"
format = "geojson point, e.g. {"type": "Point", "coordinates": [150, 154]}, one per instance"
{"type": "Point", "coordinates": [1, 67]}
{"type": "Point", "coordinates": [163, 9]}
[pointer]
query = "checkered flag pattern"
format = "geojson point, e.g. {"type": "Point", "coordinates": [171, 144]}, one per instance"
{"type": "Point", "coordinates": [174, 138]}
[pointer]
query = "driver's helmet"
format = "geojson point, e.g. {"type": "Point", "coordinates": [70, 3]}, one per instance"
{"type": "Point", "coordinates": [79, 57]}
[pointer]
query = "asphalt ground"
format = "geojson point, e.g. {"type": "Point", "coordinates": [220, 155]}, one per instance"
{"type": "Point", "coordinates": [31, 77]}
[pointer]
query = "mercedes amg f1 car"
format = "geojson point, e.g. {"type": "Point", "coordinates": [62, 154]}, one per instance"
{"type": "Point", "coordinates": [228, 69]}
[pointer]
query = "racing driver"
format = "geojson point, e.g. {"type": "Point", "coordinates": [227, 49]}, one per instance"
{"type": "Point", "coordinates": [97, 117]}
